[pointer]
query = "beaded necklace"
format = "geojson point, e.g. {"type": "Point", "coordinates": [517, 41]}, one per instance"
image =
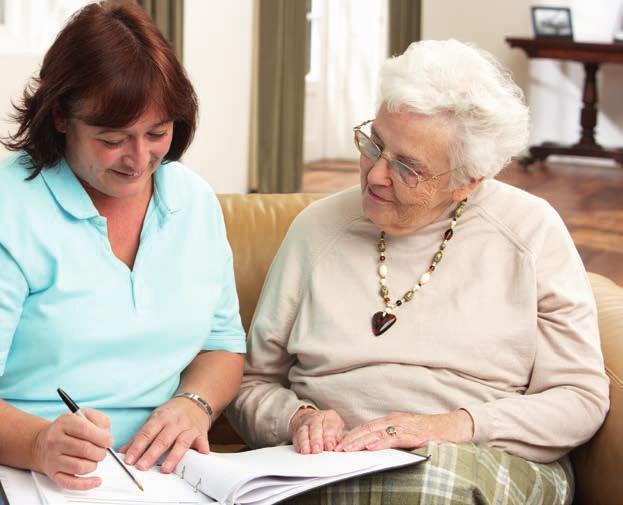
{"type": "Point", "coordinates": [385, 319]}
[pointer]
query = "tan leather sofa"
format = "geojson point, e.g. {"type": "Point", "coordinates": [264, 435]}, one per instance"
{"type": "Point", "coordinates": [256, 225]}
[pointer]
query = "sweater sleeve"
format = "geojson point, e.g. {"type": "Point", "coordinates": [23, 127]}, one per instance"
{"type": "Point", "coordinates": [264, 405]}
{"type": "Point", "coordinates": [567, 395]}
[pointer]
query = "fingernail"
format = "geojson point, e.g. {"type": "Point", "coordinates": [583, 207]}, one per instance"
{"type": "Point", "coordinates": [166, 468]}
{"type": "Point", "coordinates": [129, 459]}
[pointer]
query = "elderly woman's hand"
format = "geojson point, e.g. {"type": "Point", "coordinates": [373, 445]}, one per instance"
{"type": "Point", "coordinates": [313, 431]}
{"type": "Point", "coordinates": [401, 430]}
{"type": "Point", "coordinates": [178, 425]}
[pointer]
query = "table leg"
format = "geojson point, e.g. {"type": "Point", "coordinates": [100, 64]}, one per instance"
{"type": "Point", "coordinates": [586, 145]}
{"type": "Point", "coordinates": [588, 117]}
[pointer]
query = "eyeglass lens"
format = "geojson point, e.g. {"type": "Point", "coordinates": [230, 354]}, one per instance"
{"type": "Point", "coordinates": [371, 151]}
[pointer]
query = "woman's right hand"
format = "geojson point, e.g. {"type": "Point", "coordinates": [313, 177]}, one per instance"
{"type": "Point", "coordinates": [72, 446]}
{"type": "Point", "coordinates": [313, 431]}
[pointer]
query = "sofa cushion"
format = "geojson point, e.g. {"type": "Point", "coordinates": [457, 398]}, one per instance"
{"type": "Point", "coordinates": [256, 225]}
{"type": "Point", "coordinates": [598, 464]}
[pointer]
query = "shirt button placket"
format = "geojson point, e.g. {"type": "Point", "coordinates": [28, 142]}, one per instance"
{"type": "Point", "coordinates": [134, 288]}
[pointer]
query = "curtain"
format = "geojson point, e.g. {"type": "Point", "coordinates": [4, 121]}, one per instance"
{"type": "Point", "coordinates": [279, 96]}
{"type": "Point", "coordinates": [404, 24]}
{"type": "Point", "coordinates": [168, 15]}
{"type": "Point", "coordinates": [356, 47]}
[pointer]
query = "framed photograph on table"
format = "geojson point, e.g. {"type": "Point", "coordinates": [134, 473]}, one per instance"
{"type": "Point", "coordinates": [552, 22]}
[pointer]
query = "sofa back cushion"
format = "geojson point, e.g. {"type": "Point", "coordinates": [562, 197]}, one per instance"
{"type": "Point", "coordinates": [598, 464]}
{"type": "Point", "coordinates": [256, 225]}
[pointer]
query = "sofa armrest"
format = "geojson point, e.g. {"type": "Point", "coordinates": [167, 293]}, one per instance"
{"type": "Point", "coordinates": [598, 464]}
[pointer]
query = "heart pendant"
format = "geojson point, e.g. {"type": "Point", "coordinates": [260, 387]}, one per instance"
{"type": "Point", "coordinates": [381, 322]}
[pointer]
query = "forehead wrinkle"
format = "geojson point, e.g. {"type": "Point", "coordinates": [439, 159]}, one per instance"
{"type": "Point", "coordinates": [402, 157]}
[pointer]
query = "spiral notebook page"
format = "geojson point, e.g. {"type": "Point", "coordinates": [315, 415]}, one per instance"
{"type": "Point", "coordinates": [117, 488]}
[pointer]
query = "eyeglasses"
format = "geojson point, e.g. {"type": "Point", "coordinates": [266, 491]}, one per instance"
{"type": "Point", "coordinates": [406, 174]}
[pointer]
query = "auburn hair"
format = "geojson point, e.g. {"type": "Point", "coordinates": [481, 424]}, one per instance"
{"type": "Point", "coordinates": [111, 55]}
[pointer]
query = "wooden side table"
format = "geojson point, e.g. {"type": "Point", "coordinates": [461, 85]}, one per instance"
{"type": "Point", "coordinates": [591, 55]}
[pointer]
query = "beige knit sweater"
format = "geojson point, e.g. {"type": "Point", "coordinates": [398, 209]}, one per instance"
{"type": "Point", "coordinates": [506, 328]}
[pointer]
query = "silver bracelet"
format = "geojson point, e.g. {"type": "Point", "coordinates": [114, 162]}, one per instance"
{"type": "Point", "coordinates": [198, 400]}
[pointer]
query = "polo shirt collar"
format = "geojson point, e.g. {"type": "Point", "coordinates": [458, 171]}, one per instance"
{"type": "Point", "coordinates": [167, 197]}
{"type": "Point", "coordinates": [68, 192]}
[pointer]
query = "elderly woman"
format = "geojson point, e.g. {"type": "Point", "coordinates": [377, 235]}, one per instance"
{"type": "Point", "coordinates": [434, 307]}
{"type": "Point", "coordinates": [116, 278]}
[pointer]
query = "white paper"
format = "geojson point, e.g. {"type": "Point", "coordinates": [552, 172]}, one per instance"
{"type": "Point", "coordinates": [118, 488]}
{"type": "Point", "coordinates": [18, 486]}
{"type": "Point", "coordinates": [265, 476]}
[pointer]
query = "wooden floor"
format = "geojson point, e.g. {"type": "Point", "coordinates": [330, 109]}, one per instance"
{"type": "Point", "coordinates": [589, 198]}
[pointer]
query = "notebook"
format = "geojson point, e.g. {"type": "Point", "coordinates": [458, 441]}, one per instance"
{"type": "Point", "coordinates": [258, 477]}
{"type": "Point", "coordinates": [266, 476]}
{"type": "Point", "coordinates": [117, 488]}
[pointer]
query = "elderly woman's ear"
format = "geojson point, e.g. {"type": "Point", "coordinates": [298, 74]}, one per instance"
{"type": "Point", "coordinates": [463, 192]}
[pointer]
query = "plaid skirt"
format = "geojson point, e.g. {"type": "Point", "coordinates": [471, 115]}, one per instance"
{"type": "Point", "coordinates": [465, 474]}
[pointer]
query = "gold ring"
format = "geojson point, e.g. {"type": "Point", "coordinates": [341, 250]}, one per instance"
{"type": "Point", "coordinates": [391, 431]}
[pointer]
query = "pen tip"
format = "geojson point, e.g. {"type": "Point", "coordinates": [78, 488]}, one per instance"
{"type": "Point", "coordinates": [140, 487]}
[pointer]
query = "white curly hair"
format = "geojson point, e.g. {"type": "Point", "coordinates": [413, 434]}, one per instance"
{"type": "Point", "coordinates": [466, 84]}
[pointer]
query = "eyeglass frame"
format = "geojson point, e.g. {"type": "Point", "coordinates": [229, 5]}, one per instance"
{"type": "Point", "coordinates": [391, 161]}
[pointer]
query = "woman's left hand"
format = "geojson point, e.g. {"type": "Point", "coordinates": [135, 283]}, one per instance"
{"type": "Point", "coordinates": [401, 430]}
{"type": "Point", "coordinates": [178, 425]}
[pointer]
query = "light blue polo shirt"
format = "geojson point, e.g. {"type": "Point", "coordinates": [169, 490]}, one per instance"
{"type": "Point", "coordinates": [73, 315]}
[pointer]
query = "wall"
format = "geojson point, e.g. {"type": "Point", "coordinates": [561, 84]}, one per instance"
{"type": "Point", "coordinates": [218, 57]}
{"type": "Point", "coordinates": [483, 22]}
{"type": "Point", "coordinates": [15, 70]}
{"type": "Point", "coordinates": [29, 28]}
{"type": "Point", "coordinates": [553, 89]}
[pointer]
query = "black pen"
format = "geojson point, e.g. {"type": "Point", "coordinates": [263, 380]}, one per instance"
{"type": "Point", "coordinates": [73, 406]}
